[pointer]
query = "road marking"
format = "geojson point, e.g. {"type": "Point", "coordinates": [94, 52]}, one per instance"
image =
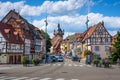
{"type": "Point", "coordinates": [59, 64]}
{"type": "Point", "coordinates": [60, 79]}
{"type": "Point", "coordinates": [9, 78]}
{"type": "Point", "coordinates": [28, 78]}
{"type": "Point", "coordinates": [88, 65]}
{"type": "Point", "coordinates": [75, 65]}
{"type": "Point", "coordinates": [69, 64]}
{"type": "Point", "coordinates": [21, 78]}
{"type": "Point", "coordinates": [46, 79]}
{"type": "Point", "coordinates": [35, 78]}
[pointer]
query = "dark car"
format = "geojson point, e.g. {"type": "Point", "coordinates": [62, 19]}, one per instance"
{"type": "Point", "coordinates": [75, 58]}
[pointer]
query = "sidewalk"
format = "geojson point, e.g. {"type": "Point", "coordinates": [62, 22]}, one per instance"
{"type": "Point", "coordinates": [9, 66]}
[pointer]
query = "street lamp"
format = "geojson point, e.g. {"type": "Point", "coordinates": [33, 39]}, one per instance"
{"type": "Point", "coordinates": [46, 39]}
{"type": "Point", "coordinates": [87, 31]}
{"type": "Point", "coordinates": [87, 21]}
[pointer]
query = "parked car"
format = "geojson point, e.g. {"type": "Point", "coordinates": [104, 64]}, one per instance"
{"type": "Point", "coordinates": [75, 58]}
{"type": "Point", "coordinates": [60, 59]}
{"type": "Point", "coordinates": [52, 58]}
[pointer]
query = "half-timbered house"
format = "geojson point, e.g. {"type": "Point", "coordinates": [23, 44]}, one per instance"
{"type": "Point", "coordinates": [97, 39]}
{"type": "Point", "coordinates": [28, 33]}
{"type": "Point", "coordinates": [11, 45]}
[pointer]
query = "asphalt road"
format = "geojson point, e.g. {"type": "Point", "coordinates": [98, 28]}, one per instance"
{"type": "Point", "coordinates": [60, 71]}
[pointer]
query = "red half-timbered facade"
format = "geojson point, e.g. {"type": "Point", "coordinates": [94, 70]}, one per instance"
{"type": "Point", "coordinates": [11, 45]}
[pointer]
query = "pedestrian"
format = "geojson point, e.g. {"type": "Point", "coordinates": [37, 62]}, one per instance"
{"type": "Point", "coordinates": [79, 58]}
{"type": "Point", "coordinates": [118, 62]}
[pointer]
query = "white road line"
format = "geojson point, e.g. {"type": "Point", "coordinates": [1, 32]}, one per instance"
{"type": "Point", "coordinates": [69, 64]}
{"type": "Point", "coordinates": [10, 78]}
{"type": "Point", "coordinates": [75, 65]}
{"type": "Point", "coordinates": [35, 78]}
{"type": "Point", "coordinates": [21, 78]}
{"type": "Point", "coordinates": [88, 65]}
{"type": "Point", "coordinates": [60, 79]}
{"type": "Point", "coordinates": [59, 64]}
{"type": "Point", "coordinates": [81, 65]}
{"type": "Point", "coordinates": [46, 79]}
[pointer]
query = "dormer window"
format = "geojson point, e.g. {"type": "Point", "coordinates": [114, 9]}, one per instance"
{"type": "Point", "coordinates": [16, 34]}
{"type": "Point", "coordinates": [7, 31]}
{"type": "Point", "coordinates": [8, 35]}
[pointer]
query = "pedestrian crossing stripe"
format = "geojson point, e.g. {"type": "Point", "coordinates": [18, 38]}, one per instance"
{"type": "Point", "coordinates": [20, 78]}
{"type": "Point", "coordinates": [28, 78]}
{"type": "Point", "coordinates": [60, 79]}
{"type": "Point", "coordinates": [46, 79]}
{"type": "Point", "coordinates": [35, 78]}
{"type": "Point", "coordinates": [75, 65]}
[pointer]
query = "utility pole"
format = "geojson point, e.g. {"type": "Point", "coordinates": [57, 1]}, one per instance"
{"type": "Point", "coordinates": [46, 23]}
{"type": "Point", "coordinates": [87, 20]}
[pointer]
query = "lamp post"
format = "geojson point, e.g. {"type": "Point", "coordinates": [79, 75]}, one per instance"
{"type": "Point", "coordinates": [87, 20]}
{"type": "Point", "coordinates": [87, 31]}
{"type": "Point", "coordinates": [46, 39]}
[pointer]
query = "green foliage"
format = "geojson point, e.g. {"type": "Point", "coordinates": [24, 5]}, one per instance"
{"type": "Point", "coordinates": [116, 47]}
{"type": "Point", "coordinates": [25, 61]}
{"type": "Point", "coordinates": [95, 60]}
{"type": "Point", "coordinates": [36, 61]}
{"type": "Point", "coordinates": [48, 40]}
{"type": "Point", "coordinates": [87, 52]}
{"type": "Point", "coordinates": [106, 62]}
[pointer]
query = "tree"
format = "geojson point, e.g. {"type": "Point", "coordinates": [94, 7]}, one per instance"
{"type": "Point", "coordinates": [48, 40]}
{"type": "Point", "coordinates": [116, 47]}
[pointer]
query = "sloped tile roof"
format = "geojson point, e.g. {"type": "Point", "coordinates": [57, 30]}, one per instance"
{"type": "Point", "coordinates": [89, 32]}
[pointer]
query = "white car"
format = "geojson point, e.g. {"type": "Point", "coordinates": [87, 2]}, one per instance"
{"type": "Point", "coordinates": [60, 59]}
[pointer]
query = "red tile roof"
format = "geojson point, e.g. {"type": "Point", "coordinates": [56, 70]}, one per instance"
{"type": "Point", "coordinates": [89, 32]}
{"type": "Point", "coordinates": [6, 29]}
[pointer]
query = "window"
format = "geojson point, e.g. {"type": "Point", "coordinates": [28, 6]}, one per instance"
{"type": "Point", "coordinates": [106, 39]}
{"type": "Point", "coordinates": [0, 39]}
{"type": "Point", "coordinates": [97, 48]}
{"type": "Point", "coordinates": [93, 40]}
{"type": "Point", "coordinates": [107, 48]}
{"type": "Point", "coordinates": [8, 35]}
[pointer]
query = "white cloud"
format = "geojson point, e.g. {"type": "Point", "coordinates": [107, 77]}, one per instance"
{"type": "Point", "coordinates": [57, 8]}
{"type": "Point", "coordinates": [73, 24]}
{"type": "Point", "coordinates": [5, 7]}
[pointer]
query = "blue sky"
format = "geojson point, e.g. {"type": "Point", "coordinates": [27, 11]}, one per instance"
{"type": "Point", "coordinates": [71, 14]}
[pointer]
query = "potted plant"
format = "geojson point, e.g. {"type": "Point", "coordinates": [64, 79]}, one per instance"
{"type": "Point", "coordinates": [25, 61]}
{"type": "Point", "coordinates": [106, 63]}
{"type": "Point", "coordinates": [96, 61]}
{"type": "Point", "coordinates": [35, 61]}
